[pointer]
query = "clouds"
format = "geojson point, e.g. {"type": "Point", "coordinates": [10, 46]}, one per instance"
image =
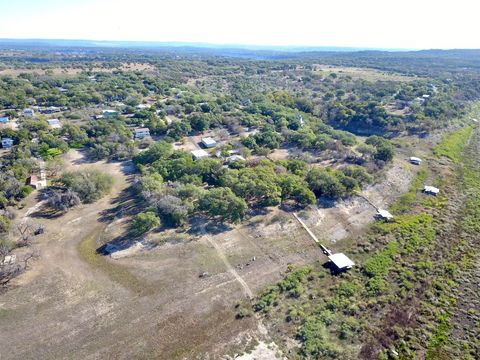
{"type": "Point", "coordinates": [368, 23]}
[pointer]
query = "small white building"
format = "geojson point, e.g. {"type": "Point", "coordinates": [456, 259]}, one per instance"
{"type": "Point", "coordinates": [199, 154]}
{"type": "Point", "coordinates": [209, 142]}
{"type": "Point", "coordinates": [7, 143]}
{"type": "Point", "coordinates": [341, 261]}
{"type": "Point", "coordinates": [142, 107]}
{"type": "Point", "coordinates": [141, 133]}
{"type": "Point", "coordinates": [431, 190]}
{"type": "Point", "coordinates": [108, 114]}
{"type": "Point", "coordinates": [28, 113]}
{"type": "Point", "coordinates": [234, 158]}
{"type": "Point", "coordinates": [54, 124]}
{"type": "Point", "coordinates": [384, 214]}
{"type": "Point", "coordinates": [415, 160]}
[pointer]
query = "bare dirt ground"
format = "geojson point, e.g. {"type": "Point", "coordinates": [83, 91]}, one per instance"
{"type": "Point", "coordinates": [362, 73]}
{"type": "Point", "coordinates": [152, 302]}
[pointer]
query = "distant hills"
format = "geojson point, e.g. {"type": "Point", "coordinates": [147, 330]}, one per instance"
{"type": "Point", "coordinates": [178, 45]}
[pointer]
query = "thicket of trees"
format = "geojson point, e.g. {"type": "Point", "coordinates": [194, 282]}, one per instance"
{"type": "Point", "coordinates": [177, 186]}
{"type": "Point", "coordinates": [79, 187]}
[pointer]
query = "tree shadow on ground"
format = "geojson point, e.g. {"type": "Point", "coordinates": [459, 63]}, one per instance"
{"type": "Point", "coordinates": [326, 203]}
{"type": "Point", "coordinates": [200, 226]}
{"type": "Point", "coordinates": [124, 205]}
{"type": "Point", "coordinates": [328, 265]}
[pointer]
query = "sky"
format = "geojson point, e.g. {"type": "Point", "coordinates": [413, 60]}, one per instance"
{"type": "Point", "coordinates": [408, 24]}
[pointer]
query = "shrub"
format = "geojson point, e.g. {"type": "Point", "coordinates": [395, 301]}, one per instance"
{"type": "Point", "coordinates": [144, 222]}
{"type": "Point", "coordinates": [89, 185]}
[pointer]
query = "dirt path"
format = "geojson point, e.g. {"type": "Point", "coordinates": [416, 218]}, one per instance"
{"type": "Point", "coordinates": [229, 267]}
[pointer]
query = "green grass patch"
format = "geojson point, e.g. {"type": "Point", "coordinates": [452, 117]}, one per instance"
{"type": "Point", "coordinates": [407, 200]}
{"type": "Point", "coordinates": [291, 284]}
{"type": "Point", "coordinates": [453, 144]}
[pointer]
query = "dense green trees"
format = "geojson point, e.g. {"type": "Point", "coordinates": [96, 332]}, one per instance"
{"type": "Point", "coordinates": [384, 150]}
{"type": "Point", "coordinates": [331, 183]}
{"type": "Point", "coordinates": [294, 188]}
{"type": "Point", "coordinates": [258, 186]}
{"type": "Point", "coordinates": [222, 203]}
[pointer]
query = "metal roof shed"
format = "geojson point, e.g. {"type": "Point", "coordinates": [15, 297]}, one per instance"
{"type": "Point", "coordinates": [415, 160]}
{"type": "Point", "coordinates": [199, 154]}
{"type": "Point", "coordinates": [209, 142]}
{"type": "Point", "coordinates": [384, 214]}
{"type": "Point", "coordinates": [432, 190]}
{"type": "Point", "coordinates": [341, 261]}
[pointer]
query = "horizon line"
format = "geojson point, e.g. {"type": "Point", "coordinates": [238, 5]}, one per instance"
{"type": "Point", "coordinates": [246, 46]}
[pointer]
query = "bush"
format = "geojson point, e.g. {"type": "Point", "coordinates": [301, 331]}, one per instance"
{"type": "Point", "coordinates": [89, 185]}
{"type": "Point", "coordinates": [144, 222]}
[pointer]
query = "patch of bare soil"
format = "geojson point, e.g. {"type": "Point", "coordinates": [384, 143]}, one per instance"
{"type": "Point", "coordinates": [335, 221]}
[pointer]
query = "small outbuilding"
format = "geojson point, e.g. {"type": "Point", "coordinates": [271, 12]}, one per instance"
{"type": "Point", "coordinates": [28, 113]}
{"type": "Point", "coordinates": [384, 214]}
{"type": "Point", "coordinates": [431, 190]}
{"type": "Point", "coordinates": [108, 114]}
{"type": "Point", "coordinates": [141, 133]}
{"type": "Point", "coordinates": [7, 143]}
{"type": "Point", "coordinates": [341, 261]}
{"type": "Point", "coordinates": [234, 158]}
{"type": "Point", "coordinates": [209, 142]}
{"type": "Point", "coordinates": [199, 154]}
{"type": "Point", "coordinates": [415, 160]}
{"type": "Point", "coordinates": [35, 183]}
{"type": "Point", "coordinates": [54, 123]}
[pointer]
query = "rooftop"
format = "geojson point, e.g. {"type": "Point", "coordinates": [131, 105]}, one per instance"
{"type": "Point", "coordinates": [199, 153]}
{"type": "Point", "coordinates": [235, 158]}
{"type": "Point", "coordinates": [384, 214]}
{"type": "Point", "coordinates": [209, 141]}
{"type": "Point", "coordinates": [431, 189]}
{"type": "Point", "coordinates": [341, 261]}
